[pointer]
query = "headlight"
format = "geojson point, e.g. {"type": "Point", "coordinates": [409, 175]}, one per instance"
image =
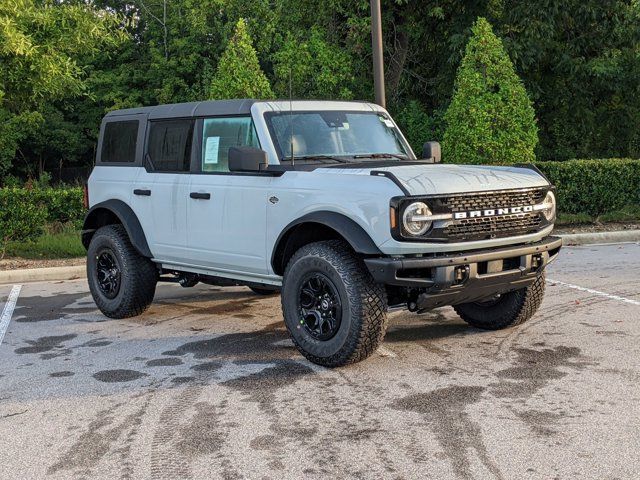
{"type": "Point", "coordinates": [549, 207]}
{"type": "Point", "coordinates": [414, 218]}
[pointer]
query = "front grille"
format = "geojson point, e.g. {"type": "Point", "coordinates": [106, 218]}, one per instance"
{"type": "Point", "coordinates": [498, 226]}
{"type": "Point", "coordinates": [503, 199]}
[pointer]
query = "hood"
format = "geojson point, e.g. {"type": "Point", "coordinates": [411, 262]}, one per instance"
{"type": "Point", "coordinates": [441, 179]}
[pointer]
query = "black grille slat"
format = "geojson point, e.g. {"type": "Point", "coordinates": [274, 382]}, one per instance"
{"type": "Point", "coordinates": [494, 226]}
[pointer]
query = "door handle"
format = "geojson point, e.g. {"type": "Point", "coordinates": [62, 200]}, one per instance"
{"type": "Point", "coordinates": [145, 193]}
{"type": "Point", "coordinates": [200, 196]}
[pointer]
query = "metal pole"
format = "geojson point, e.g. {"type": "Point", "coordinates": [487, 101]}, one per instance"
{"type": "Point", "coordinates": [376, 45]}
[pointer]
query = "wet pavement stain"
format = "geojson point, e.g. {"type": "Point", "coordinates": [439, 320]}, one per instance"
{"type": "Point", "coordinates": [534, 369]}
{"type": "Point", "coordinates": [207, 367]}
{"type": "Point", "coordinates": [262, 386]}
{"type": "Point", "coordinates": [444, 410]}
{"type": "Point", "coordinates": [540, 422]}
{"type": "Point", "coordinates": [115, 376]}
{"type": "Point", "coordinates": [47, 344]}
{"type": "Point", "coordinates": [65, 373]}
{"type": "Point", "coordinates": [43, 309]}
{"type": "Point", "coordinates": [252, 346]}
{"type": "Point", "coordinates": [205, 433]}
{"type": "Point", "coordinates": [182, 380]}
{"type": "Point", "coordinates": [98, 342]}
{"type": "Point", "coordinates": [164, 362]}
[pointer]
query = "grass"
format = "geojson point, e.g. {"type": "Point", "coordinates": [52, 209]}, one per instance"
{"type": "Point", "coordinates": [59, 241]}
{"type": "Point", "coordinates": [630, 213]}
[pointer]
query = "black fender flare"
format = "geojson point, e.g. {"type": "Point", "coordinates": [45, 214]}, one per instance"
{"type": "Point", "coordinates": [353, 233]}
{"type": "Point", "coordinates": [97, 215]}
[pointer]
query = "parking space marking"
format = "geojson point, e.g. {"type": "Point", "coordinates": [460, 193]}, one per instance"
{"type": "Point", "coordinates": [7, 311]}
{"type": "Point", "coordinates": [595, 292]}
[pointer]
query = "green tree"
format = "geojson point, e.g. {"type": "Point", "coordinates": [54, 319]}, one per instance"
{"type": "Point", "coordinates": [40, 42]}
{"type": "Point", "coordinates": [316, 68]}
{"type": "Point", "coordinates": [239, 74]}
{"type": "Point", "coordinates": [490, 118]}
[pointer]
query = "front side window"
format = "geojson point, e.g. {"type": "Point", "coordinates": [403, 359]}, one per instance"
{"type": "Point", "coordinates": [334, 133]}
{"type": "Point", "coordinates": [119, 142]}
{"type": "Point", "coordinates": [169, 147]}
{"type": "Point", "coordinates": [219, 134]}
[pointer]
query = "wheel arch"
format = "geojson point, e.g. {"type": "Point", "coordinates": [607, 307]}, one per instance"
{"type": "Point", "coordinates": [317, 226]}
{"type": "Point", "coordinates": [112, 212]}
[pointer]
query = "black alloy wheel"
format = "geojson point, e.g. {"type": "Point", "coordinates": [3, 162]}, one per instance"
{"type": "Point", "coordinates": [109, 274]}
{"type": "Point", "coordinates": [319, 306]}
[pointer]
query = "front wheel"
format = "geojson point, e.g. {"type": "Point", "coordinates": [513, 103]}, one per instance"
{"type": "Point", "coordinates": [335, 312]}
{"type": "Point", "coordinates": [506, 310]}
{"type": "Point", "coordinates": [122, 282]}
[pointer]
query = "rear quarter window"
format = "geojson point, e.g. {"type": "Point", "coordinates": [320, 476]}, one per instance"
{"type": "Point", "coordinates": [119, 142]}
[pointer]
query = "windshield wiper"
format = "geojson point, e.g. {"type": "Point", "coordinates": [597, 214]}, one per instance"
{"type": "Point", "coordinates": [381, 155]}
{"type": "Point", "coordinates": [319, 157]}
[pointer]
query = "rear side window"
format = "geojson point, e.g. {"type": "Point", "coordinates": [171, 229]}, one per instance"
{"type": "Point", "coordinates": [119, 142]}
{"type": "Point", "coordinates": [169, 146]}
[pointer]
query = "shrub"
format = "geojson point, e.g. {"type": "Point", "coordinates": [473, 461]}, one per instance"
{"type": "Point", "coordinates": [490, 118]}
{"type": "Point", "coordinates": [594, 187]}
{"type": "Point", "coordinates": [22, 216]}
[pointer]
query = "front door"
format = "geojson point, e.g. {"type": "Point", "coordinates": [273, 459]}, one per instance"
{"type": "Point", "coordinates": [226, 212]}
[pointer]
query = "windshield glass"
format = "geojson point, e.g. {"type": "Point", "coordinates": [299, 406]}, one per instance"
{"type": "Point", "coordinates": [334, 134]}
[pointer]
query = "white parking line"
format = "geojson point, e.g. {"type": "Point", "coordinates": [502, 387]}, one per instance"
{"type": "Point", "coordinates": [7, 311]}
{"type": "Point", "coordinates": [595, 292]}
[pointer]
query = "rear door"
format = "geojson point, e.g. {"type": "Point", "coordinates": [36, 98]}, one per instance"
{"type": "Point", "coordinates": [226, 212]}
{"type": "Point", "coordinates": [163, 186]}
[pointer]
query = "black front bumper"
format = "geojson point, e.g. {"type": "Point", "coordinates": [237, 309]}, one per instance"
{"type": "Point", "coordinates": [448, 279]}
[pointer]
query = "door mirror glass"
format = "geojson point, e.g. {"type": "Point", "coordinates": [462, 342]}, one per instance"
{"type": "Point", "coordinates": [431, 150]}
{"type": "Point", "coordinates": [247, 159]}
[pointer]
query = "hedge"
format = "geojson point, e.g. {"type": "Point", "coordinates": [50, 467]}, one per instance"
{"type": "Point", "coordinates": [22, 216]}
{"type": "Point", "coordinates": [594, 187]}
{"type": "Point", "coordinates": [63, 204]}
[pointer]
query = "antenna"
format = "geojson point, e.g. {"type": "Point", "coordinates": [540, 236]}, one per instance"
{"type": "Point", "coordinates": [291, 116]}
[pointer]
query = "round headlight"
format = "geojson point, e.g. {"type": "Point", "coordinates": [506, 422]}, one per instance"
{"type": "Point", "coordinates": [413, 218]}
{"type": "Point", "coordinates": [549, 209]}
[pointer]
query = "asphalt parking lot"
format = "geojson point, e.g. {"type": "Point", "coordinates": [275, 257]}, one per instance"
{"type": "Point", "coordinates": [206, 384]}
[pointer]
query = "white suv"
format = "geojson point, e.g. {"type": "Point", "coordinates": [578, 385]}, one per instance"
{"type": "Point", "coordinates": [322, 200]}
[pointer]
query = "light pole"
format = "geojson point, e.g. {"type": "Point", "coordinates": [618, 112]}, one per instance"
{"type": "Point", "coordinates": [376, 46]}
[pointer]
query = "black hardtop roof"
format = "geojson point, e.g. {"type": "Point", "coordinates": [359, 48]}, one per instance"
{"type": "Point", "coordinates": [191, 109]}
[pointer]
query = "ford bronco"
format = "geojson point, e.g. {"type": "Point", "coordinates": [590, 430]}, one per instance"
{"type": "Point", "coordinates": [324, 202]}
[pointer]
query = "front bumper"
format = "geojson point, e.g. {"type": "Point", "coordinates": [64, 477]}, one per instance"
{"type": "Point", "coordinates": [468, 276]}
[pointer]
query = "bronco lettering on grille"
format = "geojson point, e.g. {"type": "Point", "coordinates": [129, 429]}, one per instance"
{"type": "Point", "coordinates": [492, 212]}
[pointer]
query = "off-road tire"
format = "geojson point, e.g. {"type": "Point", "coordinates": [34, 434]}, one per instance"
{"type": "Point", "coordinates": [138, 275]}
{"type": "Point", "coordinates": [265, 290]}
{"type": "Point", "coordinates": [363, 304]}
{"type": "Point", "coordinates": [511, 308]}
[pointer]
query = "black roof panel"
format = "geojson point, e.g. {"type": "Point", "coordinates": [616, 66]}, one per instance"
{"type": "Point", "coordinates": [191, 109]}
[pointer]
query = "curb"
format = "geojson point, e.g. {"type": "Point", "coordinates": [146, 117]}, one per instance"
{"type": "Point", "coordinates": [43, 274]}
{"type": "Point", "coordinates": [600, 237]}
{"type": "Point", "coordinates": [73, 273]}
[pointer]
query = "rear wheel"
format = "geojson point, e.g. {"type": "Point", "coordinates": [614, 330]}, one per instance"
{"type": "Point", "coordinates": [506, 310]}
{"type": "Point", "coordinates": [122, 282]}
{"type": "Point", "coordinates": [335, 312]}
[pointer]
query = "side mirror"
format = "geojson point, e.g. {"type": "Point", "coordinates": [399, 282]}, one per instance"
{"type": "Point", "coordinates": [432, 150]}
{"type": "Point", "coordinates": [247, 159]}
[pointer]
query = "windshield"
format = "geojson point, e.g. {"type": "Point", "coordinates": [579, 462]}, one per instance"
{"type": "Point", "coordinates": [335, 134]}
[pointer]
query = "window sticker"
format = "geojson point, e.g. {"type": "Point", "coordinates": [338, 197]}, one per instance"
{"type": "Point", "coordinates": [211, 150]}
